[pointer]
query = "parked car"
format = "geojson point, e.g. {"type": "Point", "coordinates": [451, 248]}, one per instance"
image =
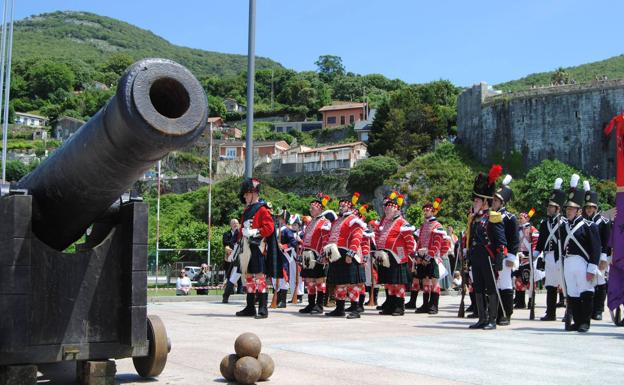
{"type": "Point", "coordinates": [192, 271]}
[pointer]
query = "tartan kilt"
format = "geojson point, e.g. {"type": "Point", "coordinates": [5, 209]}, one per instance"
{"type": "Point", "coordinates": [429, 270]}
{"type": "Point", "coordinates": [343, 273]}
{"type": "Point", "coordinates": [396, 274]}
{"type": "Point", "coordinates": [281, 263]}
{"type": "Point", "coordinates": [317, 272]}
{"type": "Point", "coordinates": [257, 261]}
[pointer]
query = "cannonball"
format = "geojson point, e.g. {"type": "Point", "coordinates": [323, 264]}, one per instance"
{"type": "Point", "coordinates": [267, 366]}
{"type": "Point", "coordinates": [247, 370]}
{"type": "Point", "coordinates": [227, 366]}
{"type": "Point", "coordinates": [247, 345]}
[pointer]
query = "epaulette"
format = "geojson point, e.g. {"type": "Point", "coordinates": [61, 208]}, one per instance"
{"type": "Point", "coordinates": [495, 217]}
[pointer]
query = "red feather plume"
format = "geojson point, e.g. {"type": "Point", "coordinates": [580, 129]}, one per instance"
{"type": "Point", "coordinates": [495, 172]}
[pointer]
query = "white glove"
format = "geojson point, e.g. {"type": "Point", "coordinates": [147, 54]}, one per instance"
{"type": "Point", "coordinates": [249, 233]}
{"type": "Point", "coordinates": [247, 223]}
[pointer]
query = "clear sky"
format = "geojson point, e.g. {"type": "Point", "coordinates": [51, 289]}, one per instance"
{"type": "Point", "coordinates": [465, 41]}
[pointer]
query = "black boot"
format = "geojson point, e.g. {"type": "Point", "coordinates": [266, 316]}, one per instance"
{"type": "Point", "coordinates": [250, 309]}
{"type": "Point", "coordinates": [572, 311]}
{"type": "Point", "coordinates": [507, 304]}
{"type": "Point", "coordinates": [281, 296]}
{"type": "Point", "coordinates": [472, 308]}
{"type": "Point", "coordinates": [339, 311]}
{"type": "Point", "coordinates": [433, 303]}
{"type": "Point", "coordinates": [355, 312]}
{"type": "Point", "coordinates": [360, 308]}
{"type": "Point", "coordinates": [425, 306]}
{"type": "Point", "coordinates": [586, 310]}
{"type": "Point", "coordinates": [389, 306]}
{"type": "Point", "coordinates": [399, 306]}
{"type": "Point", "coordinates": [492, 312]}
{"type": "Point", "coordinates": [353, 307]}
{"type": "Point", "coordinates": [318, 307]}
{"type": "Point", "coordinates": [561, 302]}
{"type": "Point", "coordinates": [310, 306]}
{"type": "Point", "coordinates": [412, 302]}
{"type": "Point", "coordinates": [227, 291]}
{"type": "Point", "coordinates": [480, 305]}
{"type": "Point", "coordinates": [520, 302]}
{"type": "Point", "coordinates": [263, 312]}
{"type": "Point", "coordinates": [599, 299]}
{"type": "Point", "coordinates": [383, 305]}
{"type": "Point", "coordinates": [551, 304]}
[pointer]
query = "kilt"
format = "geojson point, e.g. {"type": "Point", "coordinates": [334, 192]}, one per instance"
{"type": "Point", "coordinates": [317, 272]}
{"type": "Point", "coordinates": [343, 273]}
{"type": "Point", "coordinates": [396, 274]}
{"type": "Point", "coordinates": [257, 261]}
{"type": "Point", "coordinates": [428, 270]}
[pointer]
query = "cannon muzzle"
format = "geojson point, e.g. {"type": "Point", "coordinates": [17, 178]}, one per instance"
{"type": "Point", "coordinates": [159, 107]}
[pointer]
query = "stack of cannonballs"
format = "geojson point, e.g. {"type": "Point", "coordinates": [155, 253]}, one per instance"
{"type": "Point", "coordinates": [248, 365]}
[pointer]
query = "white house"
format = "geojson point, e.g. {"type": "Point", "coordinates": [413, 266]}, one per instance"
{"type": "Point", "coordinates": [31, 120]}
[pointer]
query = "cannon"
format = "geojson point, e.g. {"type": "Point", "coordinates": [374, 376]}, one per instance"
{"type": "Point", "coordinates": [91, 304]}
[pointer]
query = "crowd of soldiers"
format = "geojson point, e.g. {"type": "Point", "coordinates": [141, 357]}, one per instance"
{"type": "Point", "coordinates": [336, 257]}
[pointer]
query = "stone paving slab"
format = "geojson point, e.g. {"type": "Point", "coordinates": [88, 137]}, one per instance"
{"type": "Point", "coordinates": [414, 349]}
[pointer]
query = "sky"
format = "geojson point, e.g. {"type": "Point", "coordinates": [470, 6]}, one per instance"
{"type": "Point", "coordinates": [464, 41]}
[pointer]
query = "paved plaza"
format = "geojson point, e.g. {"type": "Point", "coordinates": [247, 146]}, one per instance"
{"type": "Point", "coordinates": [379, 350]}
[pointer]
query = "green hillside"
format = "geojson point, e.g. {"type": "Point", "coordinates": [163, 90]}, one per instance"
{"type": "Point", "coordinates": [613, 68]}
{"type": "Point", "coordinates": [92, 39]}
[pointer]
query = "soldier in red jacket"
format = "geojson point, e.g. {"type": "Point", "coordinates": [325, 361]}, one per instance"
{"type": "Point", "coordinates": [432, 244]}
{"type": "Point", "coordinates": [342, 252]}
{"type": "Point", "coordinates": [260, 254]}
{"type": "Point", "coordinates": [315, 237]}
{"type": "Point", "coordinates": [395, 245]}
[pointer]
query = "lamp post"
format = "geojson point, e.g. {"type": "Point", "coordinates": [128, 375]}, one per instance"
{"type": "Point", "coordinates": [251, 63]}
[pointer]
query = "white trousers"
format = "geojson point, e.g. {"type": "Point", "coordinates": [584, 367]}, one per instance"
{"type": "Point", "coordinates": [505, 281]}
{"type": "Point", "coordinates": [553, 270]}
{"type": "Point", "coordinates": [575, 272]}
{"type": "Point", "coordinates": [283, 284]}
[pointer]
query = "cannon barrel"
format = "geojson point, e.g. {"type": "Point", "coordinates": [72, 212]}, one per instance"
{"type": "Point", "coordinates": [159, 106]}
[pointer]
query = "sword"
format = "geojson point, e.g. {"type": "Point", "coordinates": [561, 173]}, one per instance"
{"type": "Point", "coordinates": [500, 301]}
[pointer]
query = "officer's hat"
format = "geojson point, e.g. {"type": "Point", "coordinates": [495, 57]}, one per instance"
{"type": "Point", "coordinates": [248, 185]}
{"type": "Point", "coordinates": [557, 196]}
{"type": "Point", "coordinates": [591, 197]}
{"type": "Point", "coordinates": [504, 193]}
{"type": "Point", "coordinates": [576, 196]}
{"type": "Point", "coordinates": [485, 185]}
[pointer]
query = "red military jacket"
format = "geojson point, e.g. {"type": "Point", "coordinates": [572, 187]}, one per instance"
{"type": "Point", "coordinates": [431, 237]}
{"type": "Point", "coordinates": [396, 235]}
{"type": "Point", "coordinates": [262, 220]}
{"type": "Point", "coordinates": [346, 232]}
{"type": "Point", "coordinates": [316, 234]}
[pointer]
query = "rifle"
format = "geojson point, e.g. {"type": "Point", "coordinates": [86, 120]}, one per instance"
{"type": "Point", "coordinates": [532, 275]}
{"type": "Point", "coordinates": [462, 311]}
{"type": "Point", "coordinates": [371, 295]}
{"type": "Point", "coordinates": [274, 300]}
{"type": "Point", "coordinates": [295, 297]}
{"type": "Point", "coordinates": [567, 317]}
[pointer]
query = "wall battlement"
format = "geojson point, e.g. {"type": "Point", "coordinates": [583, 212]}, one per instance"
{"type": "Point", "coordinates": [559, 122]}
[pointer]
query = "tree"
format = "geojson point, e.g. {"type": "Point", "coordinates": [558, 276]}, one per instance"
{"type": "Point", "coordinates": [370, 173]}
{"type": "Point", "coordinates": [15, 170]}
{"type": "Point", "coordinates": [216, 106]}
{"type": "Point", "coordinates": [117, 63]}
{"type": "Point", "coordinates": [46, 77]}
{"type": "Point", "coordinates": [329, 66]}
{"type": "Point", "coordinates": [560, 76]}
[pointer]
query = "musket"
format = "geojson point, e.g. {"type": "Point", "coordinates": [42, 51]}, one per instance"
{"type": "Point", "coordinates": [567, 317]}
{"type": "Point", "coordinates": [371, 295]}
{"type": "Point", "coordinates": [532, 275]}
{"type": "Point", "coordinates": [275, 291]}
{"type": "Point", "coordinates": [460, 254]}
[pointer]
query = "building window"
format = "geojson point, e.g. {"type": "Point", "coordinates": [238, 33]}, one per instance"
{"type": "Point", "coordinates": [230, 153]}
{"type": "Point", "coordinates": [331, 120]}
{"type": "Point", "coordinates": [351, 119]}
{"type": "Point", "coordinates": [342, 120]}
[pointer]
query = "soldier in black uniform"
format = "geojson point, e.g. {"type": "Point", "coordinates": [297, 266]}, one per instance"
{"type": "Point", "coordinates": [486, 246]}
{"type": "Point", "coordinates": [549, 244]}
{"type": "Point", "coordinates": [590, 212]}
{"type": "Point", "coordinates": [581, 256]}
{"type": "Point", "coordinates": [510, 223]}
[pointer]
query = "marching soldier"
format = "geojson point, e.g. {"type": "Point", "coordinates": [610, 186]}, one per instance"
{"type": "Point", "coordinates": [510, 264]}
{"type": "Point", "coordinates": [549, 243]}
{"type": "Point", "coordinates": [590, 212]}
{"type": "Point", "coordinates": [527, 241]}
{"type": "Point", "coordinates": [486, 248]}
{"type": "Point", "coordinates": [581, 256]}
{"type": "Point", "coordinates": [315, 238]}
{"type": "Point", "coordinates": [260, 255]}
{"type": "Point", "coordinates": [395, 246]}
{"type": "Point", "coordinates": [342, 251]}
{"type": "Point", "coordinates": [431, 245]}
{"type": "Point", "coordinates": [357, 306]}
{"type": "Point", "coordinates": [289, 243]}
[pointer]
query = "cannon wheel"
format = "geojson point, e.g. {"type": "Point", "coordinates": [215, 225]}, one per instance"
{"type": "Point", "coordinates": [154, 363]}
{"type": "Point", "coordinates": [616, 316]}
